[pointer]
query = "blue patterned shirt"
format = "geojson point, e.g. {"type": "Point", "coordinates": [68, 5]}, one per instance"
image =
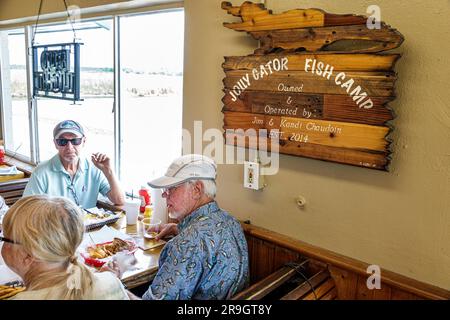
{"type": "Point", "coordinates": [208, 259]}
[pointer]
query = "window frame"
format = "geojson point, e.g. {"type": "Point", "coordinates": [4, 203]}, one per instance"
{"type": "Point", "coordinates": [32, 109]}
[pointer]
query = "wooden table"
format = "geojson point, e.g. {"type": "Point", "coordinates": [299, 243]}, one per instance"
{"type": "Point", "coordinates": [147, 260]}
{"type": "Point", "coordinates": [19, 175]}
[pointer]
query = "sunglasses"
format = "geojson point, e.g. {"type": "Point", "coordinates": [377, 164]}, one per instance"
{"type": "Point", "coordinates": [7, 240]}
{"type": "Point", "coordinates": [63, 142]}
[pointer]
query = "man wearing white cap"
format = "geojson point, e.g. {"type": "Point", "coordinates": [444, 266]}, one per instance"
{"type": "Point", "coordinates": [208, 257]}
{"type": "Point", "coordinates": [70, 175]}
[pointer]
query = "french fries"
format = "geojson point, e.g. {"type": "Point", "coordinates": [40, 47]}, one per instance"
{"type": "Point", "coordinates": [106, 250]}
{"type": "Point", "coordinates": [8, 292]}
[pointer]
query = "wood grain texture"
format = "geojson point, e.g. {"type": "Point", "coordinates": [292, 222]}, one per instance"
{"type": "Point", "coordinates": [305, 288]}
{"type": "Point", "coordinates": [256, 17]}
{"type": "Point", "coordinates": [372, 160]}
{"type": "Point", "coordinates": [262, 288]}
{"type": "Point", "coordinates": [340, 62]}
{"type": "Point", "coordinates": [321, 106]}
{"type": "Point", "coordinates": [373, 83]}
{"type": "Point", "coordinates": [313, 70]}
{"type": "Point", "coordinates": [355, 38]}
{"type": "Point", "coordinates": [321, 290]}
{"type": "Point", "coordinates": [326, 133]}
{"type": "Point", "coordinates": [345, 269]}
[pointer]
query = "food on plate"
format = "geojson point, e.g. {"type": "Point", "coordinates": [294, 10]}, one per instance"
{"type": "Point", "coordinates": [105, 250]}
{"type": "Point", "coordinates": [8, 292]}
{"type": "Point", "coordinates": [98, 214]}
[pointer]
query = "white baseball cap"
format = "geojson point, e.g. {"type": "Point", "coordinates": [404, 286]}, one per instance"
{"type": "Point", "coordinates": [185, 168]}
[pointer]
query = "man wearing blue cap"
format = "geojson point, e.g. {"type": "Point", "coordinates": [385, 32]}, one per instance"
{"type": "Point", "coordinates": [70, 175]}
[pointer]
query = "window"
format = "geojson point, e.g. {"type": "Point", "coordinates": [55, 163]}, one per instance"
{"type": "Point", "coordinates": [137, 120]}
{"type": "Point", "coordinates": [14, 101]}
{"type": "Point", "coordinates": [151, 90]}
{"type": "Point", "coordinates": [95, 112]}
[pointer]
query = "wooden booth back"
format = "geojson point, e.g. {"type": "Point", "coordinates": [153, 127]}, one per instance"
{"type": "Point", "coordinates": [285, 268]}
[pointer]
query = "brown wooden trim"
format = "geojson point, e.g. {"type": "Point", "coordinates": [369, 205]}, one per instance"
{"type": "Point", "coordinates": [22, 166]}
{"type": "Point", "coordinates": [304, 288]}
{"type": "Point", "coordinates": [264, 287]}
{"type": "Point", "coordinates": [397, 281]}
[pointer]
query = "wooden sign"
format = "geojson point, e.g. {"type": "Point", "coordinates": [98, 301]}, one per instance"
{"type": "Point", "coordinates": [317, 85]}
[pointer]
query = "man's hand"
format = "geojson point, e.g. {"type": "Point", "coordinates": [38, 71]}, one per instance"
{"type": "Point", "coordinates": [112, 266]}
{"type": "Point", "coordinates": [165, 230]}
{"type": "Point", "coordinates": [102, 162]}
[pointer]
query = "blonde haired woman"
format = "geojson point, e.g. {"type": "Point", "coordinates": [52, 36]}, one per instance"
{"type": "Point", "coordinates": [41, 235]}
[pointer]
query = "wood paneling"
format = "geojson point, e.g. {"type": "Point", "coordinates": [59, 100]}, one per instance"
{"type": "Point", "coordinates": [349, 275]}
{"type": "Point", "coordinates": [12, 191]}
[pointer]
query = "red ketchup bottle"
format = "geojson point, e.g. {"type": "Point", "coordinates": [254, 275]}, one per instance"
{"type": "Point", "coordinates": [144, 195]}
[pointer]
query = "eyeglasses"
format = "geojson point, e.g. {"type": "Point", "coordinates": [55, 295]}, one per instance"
{"type": "Point", "coordinates": [8, 240]}
{"type": "Point", "coordinates": [171, 190]}
{"type": "Point", "coordinates": [63, 142]}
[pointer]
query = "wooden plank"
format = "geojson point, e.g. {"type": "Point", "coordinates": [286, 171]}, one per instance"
{"type": "Point", "coordinates": [331, 295]}
{"type": "Point", "coordinates": [321, 290]}
{"type": "Point", "coordinates": [10, 194]}
{"type": "Point", "coordinates": [305, 287]}
{"type": "Point", "coordinates": [13, 185]}
{"type": "Point", "coordinates": [338, 262]}
{"type": "Point", "coordinates": [372, 83]}
{"type": "Point", "coordinates": [267, 285]}
{"type": "Point", "coordinates": [382, 294]}
{"type": "Point", "coordinates": [340, 62]}
{"type": "Point", "coordinates": [353, 38]}
{"type": "Point", "coordinates": [338, 108]}
{"type": "Point", "coordinates": [256, 17]}
{"type": "Point", "coordinates": [362, 291]}
{"type": "Point", "coordinates": [312, 106]}
{"type": "Point", "coordinates": [256, 274]}
{"type": "Point", "coordinates": [306, 131]}
{"type": "Point", "coordinates": [262, 257]}
{"type": "Point", "coordinates": [372, 160]}
{"type": "Point", "coordinates": [11, 201]}
{"type": "Point", "coordinates": [346, 283]}
{"type": "Point", "coordinates": [397, 294]}
{"type": "Point", "coordinates": [283, 256]}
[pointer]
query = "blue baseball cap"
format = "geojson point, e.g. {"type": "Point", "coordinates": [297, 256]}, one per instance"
{"type": "Point", "coordinates": [68, 126]}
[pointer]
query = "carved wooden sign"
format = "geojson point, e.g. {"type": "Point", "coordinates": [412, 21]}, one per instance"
{"type": "Point", "coordinates": [317, 84]}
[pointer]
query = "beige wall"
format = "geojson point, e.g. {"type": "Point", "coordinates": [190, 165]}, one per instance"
{"type": "Point", "coordinates": [399, 220]}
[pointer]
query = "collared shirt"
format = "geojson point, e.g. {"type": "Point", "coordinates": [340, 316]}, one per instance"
{"type": "Point", "coordinates": [52, 179]}
{"type": "Point", "coordinates": [208, 259]}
